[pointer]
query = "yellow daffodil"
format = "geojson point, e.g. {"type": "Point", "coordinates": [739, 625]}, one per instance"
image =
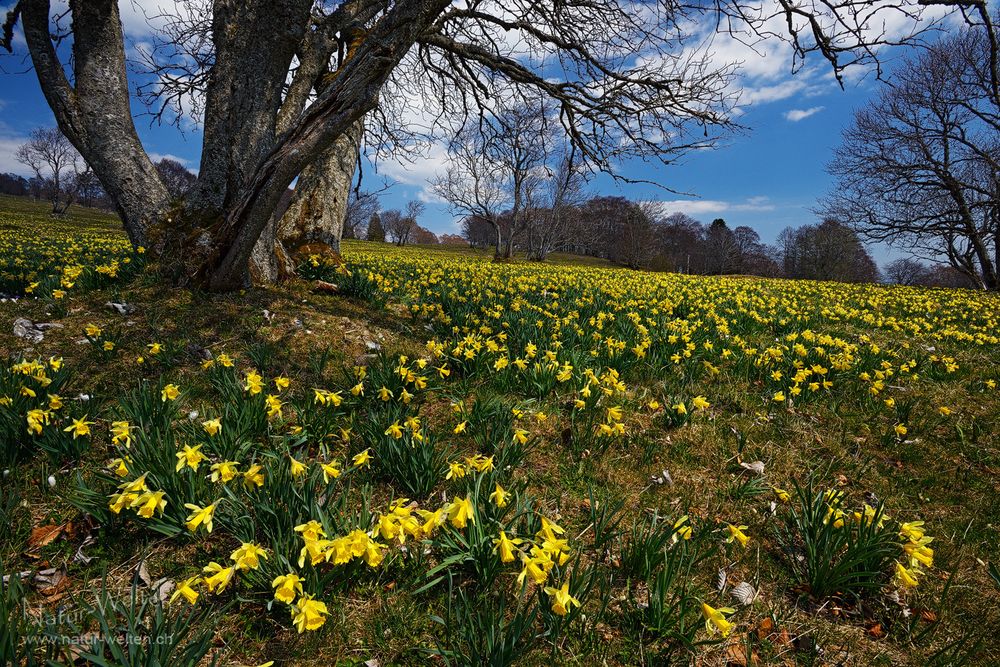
{"type": "Point", "coordinates": [248, 555]}
{"type": "Point", "coordinates": [186, 590]}
{"type": "Point", "coordinates": [562, 601]}
{"type": "Point", "coordinates": [223, 471]}
{"type": "Point", "coordinates": [506, 547]}
{"type": "Point", "coordinates": [189, 457]}
{"type": "Point", "coordinates": [715, 619]}
{"type": "Point", "coordinates": [499, 496]}
{"type": "Point", "coordinates": [219, 577]}
{"type": "Point", "coordinates": [200, 516]}
{"type": "Point", "coordinates": [79, 427]}
{"type": "Point", "coordinates": [212, 426]}
{"type": "Point", "coordinates": [461, 512]}
{"type": "Point", "coordinates": [362, 459]}
{"type": "Point", "coordinates": [736, 533]}
{"type": "Point", "coordinates": [287, 587]}
{"type": "Point", "coordinates": [308, 614]}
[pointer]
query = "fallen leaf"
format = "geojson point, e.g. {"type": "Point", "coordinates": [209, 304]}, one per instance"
{"type": "Point", "coordinates": [51, 581]}
{"type": "Point", "coordinates": [736, 655]}
{"type": "Point", "coordinates": [162, 588]}
{"type": "Point", "coordinates": [144, 574]}
{"type": "Point", "coordinates": [756, 467]}
{"type": "Point", "coordinates": [744, 593]}
{"type": "Point", "coordinates": [928, 616]}
{"type": "Point", "coordinates": [42, 535]}
{"type": "Point", "coordinates": [765, 628]}
{"type": "Point", "coordinates": [876, 631]}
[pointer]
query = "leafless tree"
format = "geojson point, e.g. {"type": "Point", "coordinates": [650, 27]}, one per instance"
{"type": "Point", "coordinates": [494, 171]}
{"type": "Point", "coordinates": [562, 190]}
{"type": "Point", "coordinates": [920, 167]}
{"type": "Point", "coordinates": [827, 251]}
{"type": "Point", "coordinates": [906, 271]}
{"type": "Point", "coordinates": [49, 154]}
{"type": "Point", "coordinates": [361, 206]}
{"type": "Point", "coordinates": [400, 227]}
{"type": "Point", "coordinates": [287, 84]}
{"type": "Point", "coordinates": [177, 178]}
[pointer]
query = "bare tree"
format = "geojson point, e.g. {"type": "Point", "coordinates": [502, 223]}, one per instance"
{"type": "Point", "coordinates": [906, 271]}
{"type": "Point", "coordinates": [175, 176]}
{"type": "Point", "coordinates": [920, 167]}
{"type": "Point", "coordinates": [827, 251]}
{"type": "Point", "coordinates": [361, 206]}
{"type": "Point", "coordinates": [49, 154]}
{"type": "Point", "coordinates": [287, 83]}
{"type": "Point", "coordinates": [400, 227]}
{"type": "Point", "coordinates": [721, 248]}
{"type": "Point", "coordinates": [494, 171]}
{"type": "Point", "coordinates": [563, 189]}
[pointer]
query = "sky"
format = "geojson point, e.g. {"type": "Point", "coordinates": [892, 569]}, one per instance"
{"type": "Point", "coordinates": [768, 176]}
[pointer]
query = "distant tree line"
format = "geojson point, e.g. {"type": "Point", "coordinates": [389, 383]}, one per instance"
{"type": "Point", "coordinates": [639, 236]}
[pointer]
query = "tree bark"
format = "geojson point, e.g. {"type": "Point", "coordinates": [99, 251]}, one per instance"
{"type": "Point", "coordinates": [95, 113]}
{"type": "Point", "coordinates": [319, 204]}
{"type": "Point", "coordinates": [316, 213]}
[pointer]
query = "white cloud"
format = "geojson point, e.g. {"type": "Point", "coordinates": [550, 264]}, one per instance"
{"type": "Point", "coordinates": [695, 207]}
{"type": "Point", "coordinates": [795, 115]}
{"type": "Point", "coordinates": [156, 157]}
{"type": "Point", "coordinates": [8, 146]}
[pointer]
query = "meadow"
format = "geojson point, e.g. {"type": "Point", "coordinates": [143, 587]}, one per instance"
{"type": "Point", "coordinates": [448, 460]}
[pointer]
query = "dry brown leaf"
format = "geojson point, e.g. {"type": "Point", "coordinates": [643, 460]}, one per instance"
{"type": "Point", "coordinates": [42, 535]}
{"type": "Point", "coordinates": [876, 631]}
{"type": "Point", "coordinates": [928, 616]}
{"type": "Point", "coordinates": [57, 583]}
{"type": "Point", "coordinates": [736, 656]}
{"type": "Point", "coordinates": [765, 628]}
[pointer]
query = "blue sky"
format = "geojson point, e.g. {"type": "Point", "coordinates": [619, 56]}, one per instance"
{"type": "Point", "coordinates": [767, 177]}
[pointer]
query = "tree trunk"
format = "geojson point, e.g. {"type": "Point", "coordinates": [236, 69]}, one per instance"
{"type": "Point", "coordinates": [316, 213]}
{"type": "Point", "coordinates": [319, 204]}
{"type": "Point", "coordinates": [95, 113]}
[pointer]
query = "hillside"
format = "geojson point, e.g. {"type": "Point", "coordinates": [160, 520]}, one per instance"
{"type": "Point", "coordinates": [475, 463]}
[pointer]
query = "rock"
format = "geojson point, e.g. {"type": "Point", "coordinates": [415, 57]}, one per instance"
{"type": "Point", "coordinates": [32, 332]}
{"type": "Point", "coordinates": [121, 308]}
{"type": "Point", "coordinates": [199, 352]}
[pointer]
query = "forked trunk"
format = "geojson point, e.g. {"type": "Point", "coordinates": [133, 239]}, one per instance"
{"type": "Point", "coordinates": [315, 215]}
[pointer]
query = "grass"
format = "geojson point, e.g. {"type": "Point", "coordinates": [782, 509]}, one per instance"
{"type": "Point", "coordinates": [639, 578]}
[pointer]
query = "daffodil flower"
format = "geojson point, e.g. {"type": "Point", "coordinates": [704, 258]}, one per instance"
{"type": "Point", "coordinates": [715, 619]}
{"type": "Point", "coordinates": [79, 427]}
{"type": "Point", "coordinates": [287, 587]}
{"type": "Point", "coordinates": [200, 516]}
{"type": "Point", "coordinates": [736, 533]}
{"type": "Point", "coordinates": [308, 614]}
{"type": "Point", "coordinates": [186, 590]}
{"type": "Point", "coordinates": [562, 601]}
